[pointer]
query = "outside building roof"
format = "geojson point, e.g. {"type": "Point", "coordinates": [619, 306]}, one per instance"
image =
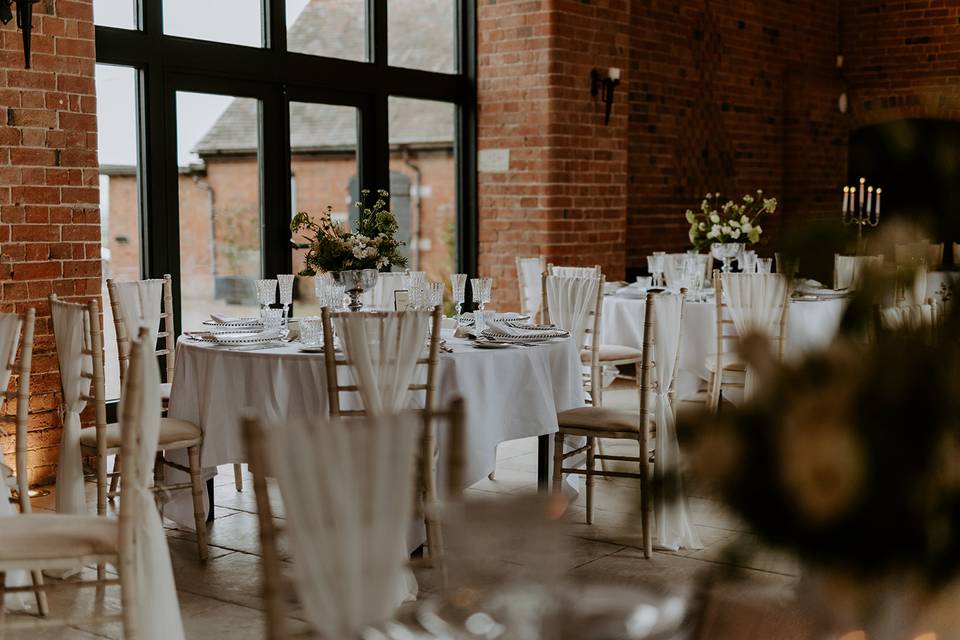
{"type": "Point", "coordinates": [335, 28]}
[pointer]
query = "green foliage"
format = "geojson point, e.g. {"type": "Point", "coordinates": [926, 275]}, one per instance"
{"type": "Point", "coordinates": [334, 247]}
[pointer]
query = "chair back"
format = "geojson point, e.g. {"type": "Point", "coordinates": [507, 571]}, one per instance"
{"type": "Point", "coordinates": [575, 272]}
{"type": "Point", "coordinates": [910, 317]}
{"type": "Point", "coordinates": [383, 351]}
{"type": "Point", "coordinates": [143, 303]}
{"type": "Point", "coordinates": [76, 329]}
{"type": "Point", "coordinates": [17, 330]}
{"type": "Point", "coordinates": [353, 543]}
{"type": "Point", "coordinates": [923, 251]}
{"type": "Point", "coordinates": [848, 270]}
{"type": "Point", "coordinates": [529, 279]}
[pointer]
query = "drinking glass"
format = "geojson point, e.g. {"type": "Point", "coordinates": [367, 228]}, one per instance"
{"type": "Point", "coordinates": [764, 265]}
{"type": "Point", "coordinates": [266, 294]}
{"type": "Point", "coordinates": [748, 262]}
{"type": "Point", "coordinates": [459, 283]}
{"type": "Point", "coordinates": [482, 291]}
{"type": "Point", "coordinates": [285, 281]}
{"type": "Point", "coordinates": [655, 264]}
{"type": "Point", "coordinates": [311, 331]}
{"type": "Point", "coordinates": [692, 277]}
{"type": "Point", "coordinates": [336, 294]}
{"type": "Point", "coordinates": [272, 320]}
{"type": "Point", "coordinates": [481, 318]}
{"type": "Point", "coordinates": [434, 294]}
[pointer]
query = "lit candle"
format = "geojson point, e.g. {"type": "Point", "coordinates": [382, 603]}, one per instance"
{"type": "Point", "coordinates": [853, 202]}
{"type": "Point", "coordinates": [863, 181]}
{"type": "Point", "coordinates": [846, 196]}
{"type": "Point", "coordinates": [878, 202]}
{"type": "Point", "coordinates": [869, 200]}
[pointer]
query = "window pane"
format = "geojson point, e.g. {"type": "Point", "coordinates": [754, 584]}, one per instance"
{"type": "Point", "coordinates": [331, 28]}
{"type": "Point", "coordinates": [421, 35]}
{"type": "Point", "coordinates": [114, 13]}
{"type": "Point", "coordinates": [119, 196]}
{"type": "Point", "coordinates": [230, 21]}
{"type": "Point", "coordinates": [218, 152]}
{"type": "Point", "coordinates": [423, 182]}
{"type": "Point", "coordinates": [323, 145]}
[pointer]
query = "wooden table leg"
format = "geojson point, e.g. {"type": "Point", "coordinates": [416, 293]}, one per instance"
{"type": "Point", "coordinates": [543, 462]}
{"type": "Point", "coordinates": [210, 497]}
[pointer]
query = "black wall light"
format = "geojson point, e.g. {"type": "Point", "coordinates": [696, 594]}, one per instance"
{"type": "Point", "coordinates": [24, 21]}
{"type": "Point", "coordinates": [604, 86]}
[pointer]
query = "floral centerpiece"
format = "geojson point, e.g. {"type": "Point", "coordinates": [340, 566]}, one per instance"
{"type": "Point", "coordinates": [333, 247]}
{"type": "Point", "coordinates": [730, 222]}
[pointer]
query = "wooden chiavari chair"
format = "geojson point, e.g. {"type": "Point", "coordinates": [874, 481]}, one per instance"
{"type": "Point", "coordinates": [726, 362]}
{"type": "Point", "coordinates": [50, 542]}
{"type": "Point", "coordinates": [337, 391]}
{"type": "Point", "coordinates": [104, 440]}
{"type": "Point", "coordinates": [594, 422]}
{"type": "Point", "coordinates": [20, 420]}
{"type": "Point", "coordinates": [279, 591]}
{"type": "Point", "coordinates": [168, 337]}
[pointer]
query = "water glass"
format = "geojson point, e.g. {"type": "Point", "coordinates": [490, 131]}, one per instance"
{"type": "Point", "coordinates": [655, 265]}
{"type": "Point", "coordinates": [311, 331]}
{"type": "Point", "coordinates": [481, 319]}
{"type": "Point", "coordinates": [415, 277]}
{"type": "Point", "coordinates": [272, 320]}
{"type": "Point", "coordinates": [482, 291]}
{"type": "Point", "coordinates": [764, 265]}
{"type": "Point", "coordinates": [458, 282]}
{"type": "Point", "coordinates": [434, 294]}
{"type": "Point", "coordinates": [285, 281]}
{"type": "Point", "coordinates": [645, 282]}
{"type": "Point", "coordinates": [748, 262]}
{"type": "Point", "coordinates": [266, 293]}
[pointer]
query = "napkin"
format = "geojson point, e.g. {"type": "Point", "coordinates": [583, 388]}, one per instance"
{"type": "Point", "coordinates": [505, 329]}
{"type": "Point", "coordinates": [216, 317]}
{"type": "Point", "coordinates": [462, 332]}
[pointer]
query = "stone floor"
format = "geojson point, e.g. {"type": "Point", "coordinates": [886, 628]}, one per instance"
{"type": "Point", "coordinates": [221, 598]}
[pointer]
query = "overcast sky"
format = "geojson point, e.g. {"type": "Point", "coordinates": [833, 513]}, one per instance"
{"type": "Point", "coordinates": [235, 21]}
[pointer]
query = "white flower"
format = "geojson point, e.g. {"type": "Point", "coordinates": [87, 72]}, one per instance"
{"type": "Point", "coordinates": [714, 232]}
{"type": "Point", "coordinates": [744, 220]}
{"type": "Point", "coordinates": [714, 218]}
{"type": "Point", "coordinates": [735, 234]}
{"type": "Point", "coordinates": [746, 227]}
{"type": "Point", "coordinates": [726, 230]}
{"type": "Point", "coordinates": [703, 226]}
{"type": "Point", "coordinates": [735, 224]}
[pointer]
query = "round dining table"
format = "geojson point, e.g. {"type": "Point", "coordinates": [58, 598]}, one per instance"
{"type": "Point", "coordinates": [509, 393]}
{"type": "Point", "coordinates": [810, 324]}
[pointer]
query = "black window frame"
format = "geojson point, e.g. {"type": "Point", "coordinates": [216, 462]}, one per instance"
{"type": "Point", "coordinates": [167, 64]}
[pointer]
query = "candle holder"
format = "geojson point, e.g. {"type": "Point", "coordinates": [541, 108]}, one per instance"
{"type": "Point", "coordinates": [861, 208]}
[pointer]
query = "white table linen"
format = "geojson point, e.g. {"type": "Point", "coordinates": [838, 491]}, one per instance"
{"type": "Point", "coordinates": [810, 324]}
{"type": "Point", "coordinates": [509, 393]}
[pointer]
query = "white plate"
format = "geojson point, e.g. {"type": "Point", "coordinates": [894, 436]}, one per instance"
{"type": "Point", "coordinates": [499, 317]}
{"type": "Point", "coordinates": [241, 338]}
{"type": "Point", "coordinates": [311, 349]}
{"type": "Point", "coordinates": [486, 344]}
{"type": "Point", "coordinates": [526, 336]}
{"type": "Point", "coordinates": [243, 325]}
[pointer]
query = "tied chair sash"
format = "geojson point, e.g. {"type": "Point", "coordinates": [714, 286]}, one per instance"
{"type": "Point", "coordinates": [69, 321]}
{"type": "Point", "coordinates": [570, 301]}
{"type": "Point", "coordinates": [675, 528]}
{"type": "Point", "coordinates": [530, 273]}
{"type": "Point", "coordinates": [9, 341]}
{"type": "Point", "coordinates": [756, 302]}
{"type": "Point", "coordinates": [140, 304]}
{"type": "Point", "coordinates": [346, 490]}
{"type": "Point", "coordinates": [383, 350]}
{"type": "Point", "coordinates": [850, 269]}
{"type": "Point", "coordinates": [912, 316]}
{"type": "Point", "coordinates": [158, 610]}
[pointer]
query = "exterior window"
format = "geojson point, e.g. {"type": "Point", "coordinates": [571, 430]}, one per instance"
{"type": "Point", "coordinates": [331, 29]}
{"type": "Point", "coordinates": [229, 21]}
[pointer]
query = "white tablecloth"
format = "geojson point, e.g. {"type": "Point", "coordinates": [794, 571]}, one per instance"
{"type": "Point", "coordinates": [810, 324]}
{"type": "Point", "coordinates": [509, 393]}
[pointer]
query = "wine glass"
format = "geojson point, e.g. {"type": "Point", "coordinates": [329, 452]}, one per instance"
{"type": "Point", "coordinates": [482, 291]}
{"type": "Point", "coordinates": [459, 283]}
{"type": "Point", "coordinates": [285, 281]}
{"type": "Point", "coordinates": [266, 294]}
{"type": "Point", "coordinates": [434, 294]}
{"type": "Point", "coordinates": [764, 265]}
{"type": "Point", "coordinates": [655, 264]}
{"type": "Point", "coordinates": [748, 262]}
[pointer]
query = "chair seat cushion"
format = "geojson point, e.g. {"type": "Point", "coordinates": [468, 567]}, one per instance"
{"type": "Point", "coordinates": [48, 536]}
{"type": "Point", "coordinates": [165, 390]}
{"type": "Point", "coordinates": [613, 353]}
{"type": "Point", "coordinates": [599, 419]}
{"type": "Point", "coordinates": [730, 361]}
{"type": "Point", "coordinates": [173, 434]}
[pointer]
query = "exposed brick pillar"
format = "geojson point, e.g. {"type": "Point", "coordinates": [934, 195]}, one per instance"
{"type": "Point", "coordinates": [552, 175]}
{"type": "Point", "coordinates": [49, 214]}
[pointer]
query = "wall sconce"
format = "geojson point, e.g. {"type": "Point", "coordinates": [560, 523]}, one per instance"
{"type": "Point", "coordinates": [24, 22]}
{"type": "Point", "coordinates": [605, 86]}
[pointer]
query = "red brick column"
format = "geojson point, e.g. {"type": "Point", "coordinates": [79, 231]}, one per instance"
{"type": "Point", "coordinates": [49, 214]}
{"type": "Point", "coordinates": [552, 176]}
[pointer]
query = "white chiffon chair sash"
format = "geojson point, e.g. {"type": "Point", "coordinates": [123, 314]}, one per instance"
{"type": "Point", "coordinates": [530, 273]}
{"type": "Point", "coordinates": [675, 528]}
{"type": "Point", "coordinates": [9, 339]}
{"type": "Point", "coordinates": [917, 293]}
{"type": "Point", "coordinates": [570, 301]}
{"type": "Point", "coordinates": [158, 611]}
{"type": "Point", "coordinates": [141, 305]}
{"type": "Point", "coordinates": [756, 302]}
{"type": "Point", "coordinates": [69, 322]}
{"type": "Point", "coordinates": [383, 349]}
{"type": "Point", "coordinates": [347, 492]}
{"type": "Point", "coordinates": [850, 269]}
{"type": "Point", "coordinates": [910, 316]}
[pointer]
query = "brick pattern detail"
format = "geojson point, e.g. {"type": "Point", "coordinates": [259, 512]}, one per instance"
{"type": "Point", "coordinates": [901, 59]}
{"type": "Point", "coordinates": [49, 197]}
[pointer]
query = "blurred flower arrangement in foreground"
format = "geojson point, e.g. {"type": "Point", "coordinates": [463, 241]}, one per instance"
{"type": "Point", "coordinates": [849, 459]}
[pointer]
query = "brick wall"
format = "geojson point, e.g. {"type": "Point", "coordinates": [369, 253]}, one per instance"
{"type": "Point", "coordinates": [722, 96]}
{"type": "Point", "coordinates": [49, 217]}
{"type": "Point", "coordinates": [902, 59]}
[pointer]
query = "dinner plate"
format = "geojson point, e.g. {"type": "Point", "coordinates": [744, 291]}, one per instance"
{"type": "Point", "coordinates": [311, 348]}
{"type": "Point", "coordinates": [487, 344]}
{"type": "Point", "coordinates": [499, 317]}
{"type": "Point", "coordinates": [244, 338]}
{"type": "Point", "coordinates": [242, 325]}
{"type": "Point", "coordinates": [526, 336]}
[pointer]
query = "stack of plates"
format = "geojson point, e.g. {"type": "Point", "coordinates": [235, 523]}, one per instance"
{"type": "Point", "coordinates": [539, 334]}
{"type": "Point", "coordinates": [245, 338]}
{"type": "Point", "coordinates": [498, 317]}
{"type": "Point", "coordinates": [240, 325]}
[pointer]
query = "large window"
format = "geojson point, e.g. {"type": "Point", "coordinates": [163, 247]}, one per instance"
{"type": "Point", "coordinates": [220, 119]}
